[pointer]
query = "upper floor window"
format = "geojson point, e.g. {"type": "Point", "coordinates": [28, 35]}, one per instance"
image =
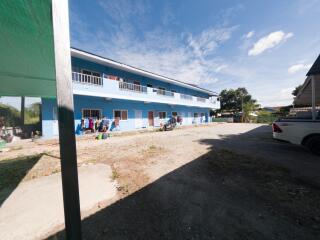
{"type": "Point", "coordinates": [87, 72]}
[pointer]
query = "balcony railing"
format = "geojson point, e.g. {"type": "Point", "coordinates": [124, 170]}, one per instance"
{"type": "Point", "coordinates": [200, 99]}
{"type": "Point", "coordinates": [164, 92]}
{"type": "Point", "coordinates": [86, 79]}
{"type": "Point", "coordinates": [113, 85]}
{"type": "Point", "coordinates": [132, 87]}
{"type": "Point", "coordinates": [185, 96]}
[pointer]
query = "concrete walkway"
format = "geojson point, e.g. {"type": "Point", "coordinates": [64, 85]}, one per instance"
{"type": "Point", "coordinates": [35, 207]}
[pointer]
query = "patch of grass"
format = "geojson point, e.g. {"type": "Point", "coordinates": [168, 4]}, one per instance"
{"type": "Point", "coordinates": [12, 171]}
{"type": "Point", "coordinates": [152, 147]}
{"type": "Point", "coordinates": [115, 175]}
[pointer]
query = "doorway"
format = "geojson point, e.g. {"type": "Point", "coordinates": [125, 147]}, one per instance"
{"type": "Point", "coordinates": [138, 118]}
{"type": "Point", "coordinates": [150, 119]}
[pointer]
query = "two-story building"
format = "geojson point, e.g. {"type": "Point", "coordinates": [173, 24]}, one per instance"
{"type": "Point", "coordinates": [134, 97]}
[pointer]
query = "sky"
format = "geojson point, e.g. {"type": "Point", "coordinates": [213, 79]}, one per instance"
{"type": "Point", "coordinates": [265, 46]}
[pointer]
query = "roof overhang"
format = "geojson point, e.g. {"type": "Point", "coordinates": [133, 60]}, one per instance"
{"type": "Point", "coordinates": [121, 66]}
{"type": "Point", "coordinates": [304, 96]}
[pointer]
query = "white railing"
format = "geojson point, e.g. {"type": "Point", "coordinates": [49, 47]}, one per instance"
{"type": "Point", "coordinates": [125, 86]}
{"type": "Point", "coordinates": [185, 96]}
{"type": "Point", "coordinates": [86, 79]}
{"type": "Point", "coordinates": [200, 99]}
{"type": "Point", "coordinates": [132, 87]}
{"type": "Point", "coordinates": [164, 92]}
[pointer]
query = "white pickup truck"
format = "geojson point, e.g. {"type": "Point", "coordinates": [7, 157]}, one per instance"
{"type": "Point", "coordinates": [303, 132]}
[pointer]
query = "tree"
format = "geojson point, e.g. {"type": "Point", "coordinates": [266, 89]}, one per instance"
{"type": "Point", "coordinates": [296, 90]}
{"type": "Point", "coordinates": [248, 108]}
{"type": "Point", "coordinates": [233, 100]}
{"type": "Point", "coordinates": [10, 115]}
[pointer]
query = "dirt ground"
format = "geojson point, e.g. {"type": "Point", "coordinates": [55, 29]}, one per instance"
{"type": "Point", "coordinates": [224, 181]}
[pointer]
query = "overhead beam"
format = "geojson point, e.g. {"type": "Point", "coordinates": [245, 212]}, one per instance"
{"type": "Point", "coordinates": [68, 154]}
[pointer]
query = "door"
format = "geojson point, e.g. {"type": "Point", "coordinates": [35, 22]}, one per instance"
{"type": "Point", "coordinates": [137, 86]}
{"type": "Point", "coordinates": [138, 118]}
{"type": "Point", "coordinates": [150, 119]}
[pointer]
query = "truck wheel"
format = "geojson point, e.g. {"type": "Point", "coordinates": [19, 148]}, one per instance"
{"type": "Point", "coordinates": [313, 144]}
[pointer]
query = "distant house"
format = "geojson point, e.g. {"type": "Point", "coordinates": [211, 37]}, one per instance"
{"type": "Point", "coordinates": [129, 97]}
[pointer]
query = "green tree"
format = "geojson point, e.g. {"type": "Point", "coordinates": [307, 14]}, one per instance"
{"type": "Point", "coordinates": [296, 90]}
{"type": "Point", "coordinates": [248, 109]}
{"type": "Point", "coordinates": [10, 115]}
{"type": "Point", "coordinates": [32, 113]}
{"type": "Point", "coordinates": [233, 99]}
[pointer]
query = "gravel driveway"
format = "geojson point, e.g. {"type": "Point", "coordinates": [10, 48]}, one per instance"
{"type": "Point", "coordinates": [226, 181]}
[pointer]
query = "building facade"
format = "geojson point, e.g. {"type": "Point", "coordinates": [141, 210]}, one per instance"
{"type": "Point", "coordinates": [132, 97]}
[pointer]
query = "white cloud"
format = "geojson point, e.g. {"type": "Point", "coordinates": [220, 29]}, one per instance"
{"type": "Point", "coordinates": [269, 41]}
{"type": "Point", "coordinates": [124, 9]}
{"type": "Point", "coordinates": [221, 67]}
{"type": "Point", "coordinates": [298, 67]}
{"type": "Point", "coordinates": [249, 34]}
{"type": "Point", "coordinates": [205, 43]}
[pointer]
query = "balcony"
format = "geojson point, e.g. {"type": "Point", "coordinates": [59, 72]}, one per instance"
{"type": "Point", "coordinates": [86, 79]}
{"type": "Point", "coordinates": [186, 97]}
{"type": "Point", "coordinates": [109, 88]}
{"type": "Point", "coordinates": [200, 99]}
{"type": "Point", "coordinates": [163, 92]}
{"type": "Point", "coordinates": [124, 86]}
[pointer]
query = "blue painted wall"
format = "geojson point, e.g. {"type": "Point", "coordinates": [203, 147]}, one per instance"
{"type": "Point", "coordinates": [78, 64]}
{"type": "Point", "coordinates": [49, 124]}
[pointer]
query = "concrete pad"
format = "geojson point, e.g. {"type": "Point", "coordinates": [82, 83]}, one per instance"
{"type": "Point", "coordinates": [35, 208]}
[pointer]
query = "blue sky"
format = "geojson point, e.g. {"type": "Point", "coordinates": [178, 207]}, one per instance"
{"type": "Point", "coordinates": [265, 46]}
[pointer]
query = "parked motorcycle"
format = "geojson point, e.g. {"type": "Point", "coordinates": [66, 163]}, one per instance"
{"type": "Point", "coordinates": [170, 124]}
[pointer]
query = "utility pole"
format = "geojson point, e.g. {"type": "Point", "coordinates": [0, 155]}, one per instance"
{"type": "Point", "coordinates": [68, 153]}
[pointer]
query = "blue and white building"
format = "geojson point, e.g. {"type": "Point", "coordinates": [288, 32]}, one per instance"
{"type": "Point", "coordinates": [138, 98]}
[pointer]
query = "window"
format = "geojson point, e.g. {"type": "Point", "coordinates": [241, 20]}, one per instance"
{"type": "Point", "coordinates": [121, 114]}
{"type": "Point", "coordinates": [91, 113]}
{"type": "Point", "coordinates": [162, 115]}
{"type": "Point", "coordinates": [149, 85]}
{"type": "Point", "coordinates": [91, 77]}
{"type": "Point", "coordinates": [87, 72]}
{"type": "Point", "coordinates": [195, 115]}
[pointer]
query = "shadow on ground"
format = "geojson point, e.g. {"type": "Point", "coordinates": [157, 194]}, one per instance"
{"type": "Point", "coordinates": [220, 195]}
{"type": "Point", "coordinates": [260, 144]}
{"type": "Point", "coordinates": [12, 172]}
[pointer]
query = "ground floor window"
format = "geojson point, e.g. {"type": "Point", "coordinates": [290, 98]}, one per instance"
{"type": "Point", "coordinates": [162, 115]}
{"type": "Point", "coordinates": [120, 114]}
{"type": "Point", "coordinates": [174, 114]}
{"type": "Point", "coordinates": [91, 113]}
